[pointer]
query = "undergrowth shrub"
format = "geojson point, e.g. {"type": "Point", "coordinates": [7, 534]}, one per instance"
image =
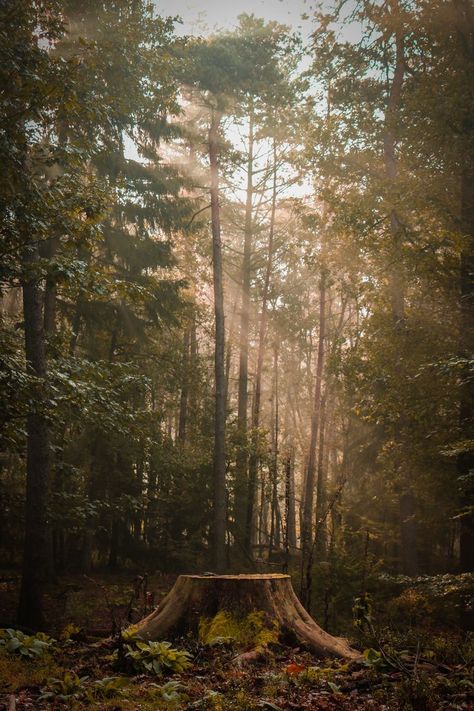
{"type": "Point", "coordinates": [27, 646]}
{"type": "Point", "coordinates": [157, 658]}
{"type": "Point", "coordinates": [150, 657]}
{"type": "Point", "coordinates": [65, 688]}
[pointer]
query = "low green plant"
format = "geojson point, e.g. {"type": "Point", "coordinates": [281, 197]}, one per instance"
{"type": "Point", "coordinates": [27, 646]}
{"type": "Point", "coordinates": [69, 687]}
{"type": "Point", "coordinates": [157, 657]}
{"type": "Point", "coordinates": [211, 700]}
{"type": "Point", "coordinates": [130, 635]}
{"type": "Point", "coordinates": [169, 692]}
{"type": "Point", "coordinates": [374, 659]}
{"type": "Point", "coordinates": [109, 686]}
{"type": "Point", "coordinates": [71, 632]}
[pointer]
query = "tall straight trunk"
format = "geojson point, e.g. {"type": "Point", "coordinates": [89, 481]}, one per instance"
{"type": "Point", "coordinates": [37, 549]}
{"type": "Point", "coordinates": [465, 37]}
{"type": "Point", "coordinates": [407, 502]}
{"type": "Point", "coordinates": [56, 533]}
{"type": "Point", "coordinates": [228, 351]}
{"type": "Point", "coordinates": [219, 494]}
{"type": "Point", "coordinates": [84, 255]}
{"type": "Point", "coordinates": [321, 483]}
{"type": "Point", "coordinates": [51, 246]}
{"type": "Point", "coordinates": [274, 523]}
{"type": "Point", "coordinates": [114, 544]}
{"type": "Point", "coordinates": [151, 508]}
{"type": "Point", "coordinates": [289, 540]}
{"type": "Point", "coordinates": [261, 537]}
{"type": "Point", "coordinates": [193, 364]}
{"type": "Point", "coordinates": [183, 400]}
{"type": "Point", "coordinates": [241, 484]}
{"type": "Point", "coordinates": [304, 470]}
{"type": "Point", "coordinates": [466, 459]}
{"type": "Point", "coordinates": [253, 459]}
{"type": "Point", "coordinates": [307, 519]}
{"type": "Point", "coordinates": [50, 292]}
{"type": "Point", "coordinates": [286, 540]}
{"type": "Point", "coordinates": [290, 483]}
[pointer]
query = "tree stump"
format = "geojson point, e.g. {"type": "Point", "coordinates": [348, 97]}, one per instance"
{"type": "Point", "coordinates": [195, 598]}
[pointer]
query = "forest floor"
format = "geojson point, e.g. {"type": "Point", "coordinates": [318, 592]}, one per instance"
{"type": "Point", "coordinates": [81, 668]}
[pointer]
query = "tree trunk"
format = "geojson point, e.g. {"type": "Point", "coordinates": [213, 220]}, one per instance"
{"type": "Point", "coordinates": [465, 465]}
{"type": "Point", "coordinates": [291, 500]}
{"type": "Point", "coordinates": [321, 484]}
{"type": "Point", "coordinates": [274, 541]}
{"type": "Point", "coordinates": [197, 597]}
{"type": "Point", "coordinates": [183, 400]}
{"type": "Point", "coordinates": [253, 460]}
{"type": "Point", "coordinates": [37, 549]}
{"type": "Point", "coordinates": [219, 497]}
{"type": "Point", "coordinates": [228, 352]}
{"type": "Point", "coordinates": [307, 519]}
{"type": "Point", "coordinates": [407, 508]}
{"type": "Point", "coordinates": [407, 501]}
{"type": "Point", "coordinates": [466, 458]}
{"type": "Point", "coordinates": [50, 292]}
{"type": "Point", "coordinates": [241, 484]}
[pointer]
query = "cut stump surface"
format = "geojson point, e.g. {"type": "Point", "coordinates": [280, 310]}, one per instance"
{"type": "Point", "coordinates": [195, 597]}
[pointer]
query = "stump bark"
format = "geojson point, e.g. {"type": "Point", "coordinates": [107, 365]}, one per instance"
{"type": "Point", "coordinates": [196, 597]}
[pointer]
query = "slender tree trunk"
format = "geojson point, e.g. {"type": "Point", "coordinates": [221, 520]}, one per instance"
{"type": "Point", "coordinates": [151, 509]}
{"type": "Point", "coordinates": [287, 512]}
{"type": "Point", "coordinates": [397, 282]}
{"type": "Point", "coordinates": [291, 500]}
{"type": "Point", "coordinates": [263, 531]}
{"type": "Point", "coordinates": [84, 255]}
{"type": "Point", "coordinates": [307, 519]}
{"type": "Point", "coordinates": [113, 544]}
{"type": "Point", "coordinates": [274, 526]}
{"type": "Point", "coordinates": [253, 460]}
{"type": "Point", "coordinates": [407, 503]}
{"type": "Point", "coordinates": [465, 32]}
{"type": "Point", "coordinates": [50, 292]}
{"type": "Point", "coordinates": [183, 401]}
{"type": "Point", "coordinates": [321, 483]}
{"type": "Point", "coordinates": [37, 549]}
{"type": "Point", "coordinates": [241, 483]}
{"type": "Point", "coordinates": [50, 248]}
{"type": "Point", "coordinates": [219, 498]}
{"type": "Point", "coordinates": [228, 352]}
{"type": "Point", "coordinates": [304, 470]}
{"type": "Point", "coordinates": [466, 459]}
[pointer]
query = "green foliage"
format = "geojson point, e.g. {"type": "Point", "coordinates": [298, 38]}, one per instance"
{"type": "Point", "coordinates": [170, 692]}
{"type": "Point", "coordinates": [71, 687]}
{"type": "Point", "coordinates": [311, 675]}
{"type": "Point", "coordinates": [109, 687]}
{"type": "Point", "coordinates": [130, 635]}
{"type": "Point", "coordinates": [27, 646]}
{"type": "Point", "coordinates": [428, 598]}
{"type": "Point", "coordinates": [71, 632]}
{"type": "Point", "coordinates": [374, 659]}
{"type": "Point", "coordinates": [156, 657]}
{"type": "Point", "coordinates": [67, 688]}
{"type": "Point", "coordinates": [362, 613]}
